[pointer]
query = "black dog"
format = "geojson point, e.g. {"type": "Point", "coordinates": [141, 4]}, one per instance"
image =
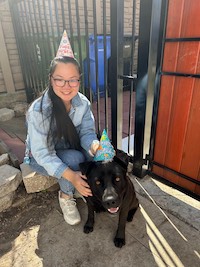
{"type": "Point", "coordinates": [112, 191]}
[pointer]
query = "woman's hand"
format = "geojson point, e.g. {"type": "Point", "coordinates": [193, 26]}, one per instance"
{"type": "Point", "coordinates": [78, 181]}
{"type": "Point", "coordinates": [94, 147]}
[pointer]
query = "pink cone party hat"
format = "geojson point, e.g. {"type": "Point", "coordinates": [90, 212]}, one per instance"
{"type": "Point", "coordinates": [105, 151]}
{"type": "Point", "coordinates": [65, 47]}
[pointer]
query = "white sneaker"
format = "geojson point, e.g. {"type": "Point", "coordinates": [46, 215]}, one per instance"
{"type": "Point", "coordinates": [69, 209]}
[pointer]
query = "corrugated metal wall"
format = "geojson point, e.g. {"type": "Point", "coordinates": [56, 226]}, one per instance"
{"type": "Point", "coordinates": [177, 143]}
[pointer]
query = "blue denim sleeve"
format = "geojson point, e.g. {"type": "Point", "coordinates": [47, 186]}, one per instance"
{"type": "Point", "coordinates": [45, 156]}
{"type": "Point", "coordinates": [87, 132]}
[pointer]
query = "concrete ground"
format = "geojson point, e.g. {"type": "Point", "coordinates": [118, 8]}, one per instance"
{"type": "Point", "coordinates": [164, 232]}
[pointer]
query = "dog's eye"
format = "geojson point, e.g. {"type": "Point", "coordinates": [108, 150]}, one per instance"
{"type": "Point", "coordinates": [117, 179]}
{"type": "Point", "coordinates": [98, 182]}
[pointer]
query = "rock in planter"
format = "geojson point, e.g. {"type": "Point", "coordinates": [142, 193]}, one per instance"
{"type": "Point", "coordinates": [6, 201]}
{"type": "Point", "coordinates": [6, 114]}
{"type": "Point", "coordinates": [20, 109]}
{"type": "Point", "coordinates": [10, 178]}
{"type": "Point", "coordinates": [4, 159]}
{"type": "Point", "coordinates": [35, 182]}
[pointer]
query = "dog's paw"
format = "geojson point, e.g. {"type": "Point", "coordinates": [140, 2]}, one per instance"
{"type": "Point", "coordinates": [119, 242]}
{"type": "Point", "coordinates": [88, 229]}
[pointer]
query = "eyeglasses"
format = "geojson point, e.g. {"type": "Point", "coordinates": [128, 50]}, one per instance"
{"type": "Point", "coordinates": [61, 82]}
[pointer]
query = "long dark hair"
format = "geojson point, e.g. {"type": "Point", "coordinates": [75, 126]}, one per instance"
{"type": "Point", "coordinates": [59, 116]}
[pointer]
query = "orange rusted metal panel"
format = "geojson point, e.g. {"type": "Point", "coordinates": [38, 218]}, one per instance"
{"type": "Point", "coordinates": [183, 19]}
{"type": "Point", "coordinates": [177, 142]}
{"type": "Point", "coordinates": [181, 57]}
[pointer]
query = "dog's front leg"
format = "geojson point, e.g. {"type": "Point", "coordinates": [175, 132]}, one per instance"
{"type": "Point", "coordinates": [119, 239]}
{"type": "Point", "coordinates": [90, 221]}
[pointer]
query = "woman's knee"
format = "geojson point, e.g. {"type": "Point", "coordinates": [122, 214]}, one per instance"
{"type": "Point", "coordinates": [72, 158]}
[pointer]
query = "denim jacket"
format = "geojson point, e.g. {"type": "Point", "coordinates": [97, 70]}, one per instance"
{"type": "Point", "coordinates": [38, 127]}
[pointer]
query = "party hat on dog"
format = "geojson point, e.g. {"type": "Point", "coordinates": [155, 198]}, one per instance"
{"type": "Point", "coordinates": [105, 151]}
{"type": "Point", "coordinates": [65, 47]}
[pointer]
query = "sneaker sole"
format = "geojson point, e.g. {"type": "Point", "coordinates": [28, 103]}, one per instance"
{"type": "Point", "coordinates": [72, 223]}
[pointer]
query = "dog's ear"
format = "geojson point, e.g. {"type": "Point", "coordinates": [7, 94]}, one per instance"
{"type": "Point", "coordinates": [122, 159]}
{"type": "Point", "coordinates": [85, 167]}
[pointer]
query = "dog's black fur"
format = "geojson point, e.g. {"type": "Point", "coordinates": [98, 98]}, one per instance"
{"type": "Point", "coordinates": [112, 191]}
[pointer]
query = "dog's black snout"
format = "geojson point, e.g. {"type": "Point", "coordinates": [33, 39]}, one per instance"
{"type": "Point", "coordinates": [110, 198]}
{"type": "Point", "coordinates": [110, 201]}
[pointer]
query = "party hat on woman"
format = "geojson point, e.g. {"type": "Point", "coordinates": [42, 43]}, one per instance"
{"type": "Point", "coordinates": [65, 47]}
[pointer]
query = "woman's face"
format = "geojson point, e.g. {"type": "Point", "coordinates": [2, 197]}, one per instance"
{"type": "Point", "coordinates": [65, 90]}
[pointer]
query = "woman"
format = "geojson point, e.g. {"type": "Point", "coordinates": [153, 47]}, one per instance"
{"type": "Point", "coordinates": [61, 134]}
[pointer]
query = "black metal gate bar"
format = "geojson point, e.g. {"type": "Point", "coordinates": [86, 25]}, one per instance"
{"type": "Point", "coordinates": [152, 69]}
{"type": "Point", "coordinates": [46, 53]}
{"type": "Point", "coordinates": [179, 74]}
{"type": "Point", "coordinates": [89, 94]}
{"type": "Point", "coordinates": [79, 42]}
{"type": "Point", "coordinates": [57, 18]}
{"type": "Point", "coordinates": [55, 47]}
{"type": "Point", "coordinates": [142, 82]}
{"type": "Point", "coordinates": [34, 38]}
{"type": "Point", "coordinates": [105, 66]}
{"type": "Point", "coordinates": [70, 24]}
{"type": "Point", "coordinates": [130, 73]}
{"type": "Point", "coordinates": [117, 34]}
{"type": "Point", "coordinates": [163, 23]}
{"type": "Point", "coordinates": [176, 172]}
{"type": "Point", "coordinates": [63, 14]}
{"type": "Point", "coordinates": [96, 66]}
{"type": "Point", "coordinates": [47, 35]}
{"type": "Point", "coordinates": [183, 39]}
{"type": "Point", "coordinates": [41, 72]}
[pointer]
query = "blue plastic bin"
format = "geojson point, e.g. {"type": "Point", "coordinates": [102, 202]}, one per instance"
{"type": "Point", "coordinates": [92, 62]}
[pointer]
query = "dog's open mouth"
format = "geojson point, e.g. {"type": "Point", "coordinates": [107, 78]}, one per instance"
{"type": "Point", "coordinates": [113, 210]}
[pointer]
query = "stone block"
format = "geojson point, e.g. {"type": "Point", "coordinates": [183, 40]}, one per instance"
{"type": "Point", "coordinates": [6, 201]}
{"type": "Point", "coordinates": [10, 178]}
{"type": "Point", "coordinates": [35, 182]}
{"type": "Point", "coordinates": [4, 159]}
{"type": "Point", "coordinates": [14, 161]}
{"type": "Point", "coordinates": [20, 109]}
{"type": "Point", "coordinates": [6, 114]}
{"type": "Point", "coordinates": [6, 99]}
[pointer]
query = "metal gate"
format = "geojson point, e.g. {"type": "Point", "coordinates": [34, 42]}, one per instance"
{"type": "Point", "coordinates": [175, 151]}
{"type": "Point", "coordinates": [105, 52]}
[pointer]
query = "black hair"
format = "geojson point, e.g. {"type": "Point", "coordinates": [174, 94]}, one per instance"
{"type": "Point", "coordinates": [59, 115]}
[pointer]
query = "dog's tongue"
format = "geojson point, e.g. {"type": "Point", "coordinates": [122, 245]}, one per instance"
{"type": "Point", "coordinates": [113, 210]}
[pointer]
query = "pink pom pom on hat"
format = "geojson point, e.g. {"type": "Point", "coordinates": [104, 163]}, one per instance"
{"type": "Point", "coordinates": [105, 151]}
{"type": "Point", "coordinates": [65, 49]}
